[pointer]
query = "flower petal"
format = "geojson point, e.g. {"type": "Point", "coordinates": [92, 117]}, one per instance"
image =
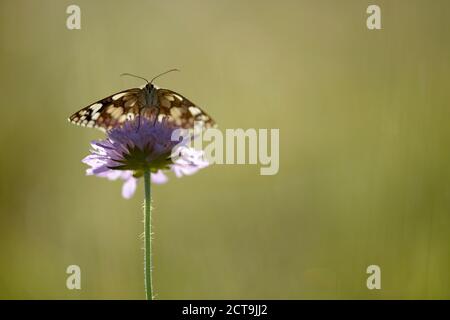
{"type": "Point", "coordinates": [159, 177]}
{"type": "Point", "coordinates": [129, 187]}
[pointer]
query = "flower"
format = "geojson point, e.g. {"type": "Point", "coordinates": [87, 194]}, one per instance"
{"type": "Point", "coordinates": [141, 145]}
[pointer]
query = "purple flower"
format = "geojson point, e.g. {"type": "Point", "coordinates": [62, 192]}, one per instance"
{"type": "Point", "coordinates": [134, 147]}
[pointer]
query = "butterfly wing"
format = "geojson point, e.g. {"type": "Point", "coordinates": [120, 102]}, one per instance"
{"type": "Point", "coordinates": [180, 110]}
{"type": "Point", "coordinates": [111, 111]}
{"type": "Point", "coordinates": [114, 110]}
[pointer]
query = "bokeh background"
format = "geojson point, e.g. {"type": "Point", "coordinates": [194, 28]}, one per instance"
{"type": "Point", "coordinates": [364, 150]}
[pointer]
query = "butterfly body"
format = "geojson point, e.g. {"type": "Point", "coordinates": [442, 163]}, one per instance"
{"type": "Point", "coordinates": [148, 101]}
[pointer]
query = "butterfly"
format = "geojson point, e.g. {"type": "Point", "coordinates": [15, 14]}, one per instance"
{"type": "Point", "coordinates": [147, 101]}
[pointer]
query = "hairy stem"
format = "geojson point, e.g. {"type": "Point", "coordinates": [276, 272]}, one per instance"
{"type": "Point", "coordinates": [147, 237]}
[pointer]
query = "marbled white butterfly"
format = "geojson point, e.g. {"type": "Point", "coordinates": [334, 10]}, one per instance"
{"type": "Point", "coordinates": [148, 101]}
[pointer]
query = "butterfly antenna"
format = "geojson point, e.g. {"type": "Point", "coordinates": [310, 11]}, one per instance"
{"type": "Point", "coordinates": [133, 75]}
{"type": "Point", "coordinates": [161, 74]}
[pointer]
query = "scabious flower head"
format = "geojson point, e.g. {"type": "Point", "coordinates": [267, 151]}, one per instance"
{"type": "Point", "coordinates": [139, 145]}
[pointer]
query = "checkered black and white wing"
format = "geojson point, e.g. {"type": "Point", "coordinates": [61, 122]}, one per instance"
{"type": "Point", "coordinates": [180, 110]}
{"type": "Point", "coordinates": [112, 111]}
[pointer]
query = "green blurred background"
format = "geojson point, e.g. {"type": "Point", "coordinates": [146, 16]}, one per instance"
{"type": "Point", "coordinates": [364, 150]}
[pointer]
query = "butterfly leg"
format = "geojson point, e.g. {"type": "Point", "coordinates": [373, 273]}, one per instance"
{"type": "Point", "coordinates": [141, 114]}
{"type": "Point", "coordinates": [156, 117]}
{"type": "Point", "coordinates": [139, 122]}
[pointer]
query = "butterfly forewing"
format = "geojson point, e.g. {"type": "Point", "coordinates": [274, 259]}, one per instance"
{"type": "Point", "coordinates": [112, 111]}
{"type": "Point", "coordinates": [181, 111]}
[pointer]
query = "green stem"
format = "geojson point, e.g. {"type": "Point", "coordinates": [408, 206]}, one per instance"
{"type": "Point", "coordinates": [147, 237]}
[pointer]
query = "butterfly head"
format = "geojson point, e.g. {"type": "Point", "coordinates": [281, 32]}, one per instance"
{"type": "Point", "coordinates": [149, 87]}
